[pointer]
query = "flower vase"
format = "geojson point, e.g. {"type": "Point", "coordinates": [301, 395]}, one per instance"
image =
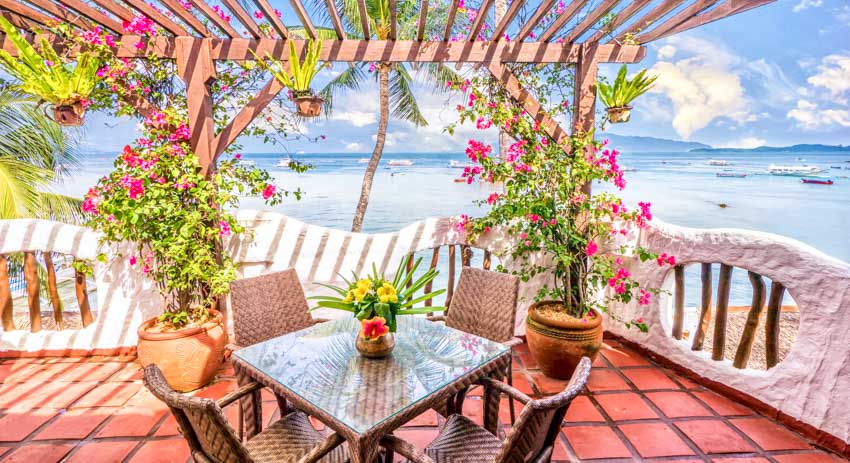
{"type": "Point", "coordinates": [374, 348]}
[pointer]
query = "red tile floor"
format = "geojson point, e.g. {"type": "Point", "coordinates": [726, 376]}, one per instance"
{"type": "Point", "coordinates": [97, 410]}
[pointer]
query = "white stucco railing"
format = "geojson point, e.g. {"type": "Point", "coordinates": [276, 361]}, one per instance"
{"type": "Point", "coordinates": [809, 384]}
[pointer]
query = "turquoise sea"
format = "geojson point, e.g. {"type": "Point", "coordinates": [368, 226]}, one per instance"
{"type": "Point", "coordinates": [682, 187]}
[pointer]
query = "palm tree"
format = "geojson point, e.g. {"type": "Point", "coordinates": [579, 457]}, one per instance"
{"type": "Point", "coordinates": [34, 153]}
{"type": "Point", "coordinates": [396, 97]}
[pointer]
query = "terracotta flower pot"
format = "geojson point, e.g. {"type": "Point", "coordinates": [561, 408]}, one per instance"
{"type": "Point", "coordinates": [71, 115]}
{"type": "Point", "coordinates": [309, 106]}
{"type": "Point", "coordinates": [189, 358]}
{"type": "Point", "coordinates": [619, 114]}
{"type": "Point", "coordinates": [558, 345]}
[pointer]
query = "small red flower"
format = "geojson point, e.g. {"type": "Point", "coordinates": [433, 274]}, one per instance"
{"type": "Point", "coordinates": [374, 328]}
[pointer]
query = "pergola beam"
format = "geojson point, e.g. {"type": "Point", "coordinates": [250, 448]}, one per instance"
{"type": "Point", "coordinates": [561, 20]}
{"type": "Point", "coordinates": [23, 11]}
{"type": "Point", "coordinates": [213, 16]}
{"type": "Point", "coordinates": [364, 19]}
{"type": "Point", "coordinates": [502, 26]}
{"type": "Point", "coordinates": [335, 20]}
{"type": "Point", "coordinates": [271, 15]}
{"type": "Point", "coordinates": [592, 18]}
{"type": "Point", "coordinates": [92, 14]}
{"type": "Point", "coordinates": [694, 9]}
{"type": "Point", "coordinates": [243, 17]}
{"type": "Point", "coordinates": [393, 20]}
{"type": "Point", "coordinates": [119, 11]}
{"type": "Point", "coordinates": [480, 17]}
{"type": "Point", "coordinates": [423, 18]}
{"type": "Point", "coordinates": [186, 17]}
{"type": "Point", "coordinates": [647, 19]}
{"type": "Point", "coordinates": [541, 11]}
{"type": "Point", "coordinates": [157, 17]}
{"type": "Point", "coordinates": [304, 18]}
{"type": "Point", "coordinates": [728, 8]}
{"type": "Point", "coordinates": [624, 15]}
{"type": "Point", "coordinates": [196, 68]}
{"type": "Point", "coordinates": [245, 116]}
{"type": "Point", "coordinates": [450, 20]}
{"type": "Point", "coordinates": [61, 13]}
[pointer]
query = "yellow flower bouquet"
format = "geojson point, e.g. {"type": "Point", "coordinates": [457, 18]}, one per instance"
{"type": "Point", "coordinates": [376, 300]}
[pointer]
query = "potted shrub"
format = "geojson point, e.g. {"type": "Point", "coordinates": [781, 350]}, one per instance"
{"type": "Point", "coordinates": [56, 79]}
{"type": "Point", "coordinates": [558, 233]}
{"type": "Point", "coordinates": [377, 300]}
{"type": "Point", "coordinates": [617, 97]}
{"type": "Point", "coordinates": [175, 218]}
{"type": "Point", "coordinates": [299, 76]}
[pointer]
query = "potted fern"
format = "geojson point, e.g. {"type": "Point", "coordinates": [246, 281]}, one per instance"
{"type": "Point", "coordinates": [617, 97]}
{"type": "Point", "coordinates": [299, 76]}
{"type": "Point", "coordinates": [54, 78]}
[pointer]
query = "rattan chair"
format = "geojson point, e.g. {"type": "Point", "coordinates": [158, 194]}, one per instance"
{"type": "Point", "coordinates": [530, 440]}
{"type": "Point", "coordinates": [211, 438]}
{"type": "Point", "coordinates": [265, 307]}
{"type": "Point", "coordinates": [484, 304]}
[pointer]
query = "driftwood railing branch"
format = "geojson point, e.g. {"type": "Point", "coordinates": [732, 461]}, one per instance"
{"type": "Point", "coordinates": [721, 310]}
{"type": "Point", "coordinates": [33, 282]}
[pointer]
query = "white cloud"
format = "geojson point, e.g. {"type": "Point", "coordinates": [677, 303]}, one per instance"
{"type": "Point", "coordinates": [704, 87]}
{"type": "Point", "coordinates": [666, 52]}
{"type": "Point", "coordinates": [356, 118]}
{"type": "Point", "coordinates": [806, 4]}
{"type": "Point", "coordinates": [746, 142]}
{"type": "Point", "coordinates": [834, 75]}
{"type": "Point", "coordinates": [353, 147]}
{"type": "Point", "coordinates": [810, 117]}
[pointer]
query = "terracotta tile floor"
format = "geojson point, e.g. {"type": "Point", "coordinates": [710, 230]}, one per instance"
{"type": "Point", "coordinates": [97, 410]}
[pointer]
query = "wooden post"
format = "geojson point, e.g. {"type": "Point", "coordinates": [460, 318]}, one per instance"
{"type": "Point", "coordinates": [584, 95]}
{"type": "Point", "coordinates": [31, 278]}
{"type": "Point", "coordinates": [723, 286]}
{"type": "Point", "coordinates": [771, 324]}
{"type": "Point", "coordinates": [486, 264]}
{"type": "Point", "coordinates": [83, 298]}
{"type": "Point", "coordinates": [466, 255]}
{"type": "Point", "coordinates": [195, 66]}
{"type": "Point", "coordinates": [748, 337]}
{"type": "Point", "coordinates": [679, 301]}
{"type": "Point", "coordinates": [55, 301]}
{"type": "Point", "coordinates": [705, 308]}
{"type": "Point", "coordinates": [451, 286]}
{"type": "Point", "coordinates": [6, 315]}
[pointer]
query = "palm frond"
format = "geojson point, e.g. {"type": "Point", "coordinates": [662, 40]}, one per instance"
{"type": "Point", "coordinates": [349, 79]}
{"type": "Point", "coordinates": [403, 103]}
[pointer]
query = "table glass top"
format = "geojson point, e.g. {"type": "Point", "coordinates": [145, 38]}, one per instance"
{"type": "Point", "coordinates": [321, 365]}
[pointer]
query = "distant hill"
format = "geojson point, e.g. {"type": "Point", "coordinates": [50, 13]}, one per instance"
{"type": "Point", "coordinates": [780, 149]}
{"type": "Point", "coordinates": [633, 144]}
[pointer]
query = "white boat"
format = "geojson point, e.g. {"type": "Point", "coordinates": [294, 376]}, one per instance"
{"type": "Point", "coordinates": [243, 162]}
{"type": "Point", "coordinates": [719, 162]}
{"type": "Point", "coordinates": [400, 163]}
{"type": "Point", "coordinates": [794, 171]}
{"type": "Point", "coordinates": [363, 160]}
{"type": "Point", "coordinates": [454, 164]}
{"type": "Point", "coordinates": [284, 162]}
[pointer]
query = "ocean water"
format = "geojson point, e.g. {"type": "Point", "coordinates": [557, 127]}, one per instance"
{"type": "Point", "coordinates": [682, 188]}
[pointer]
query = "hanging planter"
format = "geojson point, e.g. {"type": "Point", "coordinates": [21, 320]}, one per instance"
{"type": "Point", "coordinates": [616, 97]}
{"type": "Point", "coordinates": [619, 115]}
{"type": "Point", "coordinates": [297, 79]}
{"type": "Point", "coordinates": [69, 114]}
{"type": "Point", "coordinates": [62, 81]}
{"type": "Point", "coordinates": [308, 105]}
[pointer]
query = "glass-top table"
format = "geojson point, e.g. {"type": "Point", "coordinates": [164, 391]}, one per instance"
{"type": "Point", "coordinates": [319, 370]}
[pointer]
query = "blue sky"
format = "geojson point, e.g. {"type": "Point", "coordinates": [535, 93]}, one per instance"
{"type": "Point", "coordinates": [776, 75]}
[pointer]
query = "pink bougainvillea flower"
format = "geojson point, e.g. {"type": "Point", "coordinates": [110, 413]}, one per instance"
{"type": "Point", "coordinates": [591, 248]}
{"type": "Point", "coordinates": [483, 124]}
{"type": "Point", "coordinates": [237, 156]}
{"type": "Point", "coordinates": [374, 328]}
{"type": "Point", "coordinates": [493, 198]}
{"type": "Point", "coordinates": [644, 298]}
{"type": "Point", "coordinates": [259, 15]}
{"type": "Point", "coordinates": [132, 261]}
{"type": "Point", "coordinates": [269, 191]}
{"type": "Point", "coordinates": [224, 229]}
{"type": "Point", "coordinates": [665, 258]}
{"type": "Point", "coordinates": [461, 225]}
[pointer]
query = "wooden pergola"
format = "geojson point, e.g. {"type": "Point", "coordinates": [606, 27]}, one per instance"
{"type": "Point", "coordinates": [196, 44]}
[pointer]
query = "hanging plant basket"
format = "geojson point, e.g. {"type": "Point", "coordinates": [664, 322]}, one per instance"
{"type": "Point", "coordinates": [619, 114]}
{"type": "Point", "coordinates": [308, 105]}
{"type": "Point", "coordinates": [70, 115]}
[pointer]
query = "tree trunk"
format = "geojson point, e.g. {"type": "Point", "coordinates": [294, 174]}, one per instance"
{"type": "Point", "coordinates": [369, 175]}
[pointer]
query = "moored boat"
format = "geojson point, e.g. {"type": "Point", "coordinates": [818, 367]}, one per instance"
{"type": "Point", "coordinates": [818, 181]}
{"type": "Point", "coordinates": [283, 162]}
{"type": "Point", "coordinates": [794, 171]}
{"type": "Point", "coordinates": [718, 162]}
{"type": "Point", "coordinates": [400, 163]}
{"type": "Point", "coordinates": [731, 175]}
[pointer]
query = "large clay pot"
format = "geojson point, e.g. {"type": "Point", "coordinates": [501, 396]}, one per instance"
{"type": "Point", "coordinates": [309, 106]}
{"type": "Point", "coordinates": [619, 114]}
{"type": "Point", "coordinates": [559, 345]}
{"type": "Point", "coordinates": [189, 358]}
{"type": "Point", "coordinates": [70, 115]}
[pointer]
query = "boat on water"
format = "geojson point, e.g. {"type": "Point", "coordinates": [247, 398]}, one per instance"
{"type": "Point", "coordinates": [243, 162]}
{"type": "Point", "coordinates": [400, 163]}
{"type": "Point", "coordinates": [818, 181]}
{"type": "Point", "coordinates": [719, 162]}
{"type": "Point", "coordinates": [363, 161]}
{"type": "Point", "coordinates": [460, 180]}
{"type": "Point", "coordinates": [731, 175]}
{"type": "Point", "coordinates": [283, 162]}
{"type": "Point", "coordinates": [794, 171]}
